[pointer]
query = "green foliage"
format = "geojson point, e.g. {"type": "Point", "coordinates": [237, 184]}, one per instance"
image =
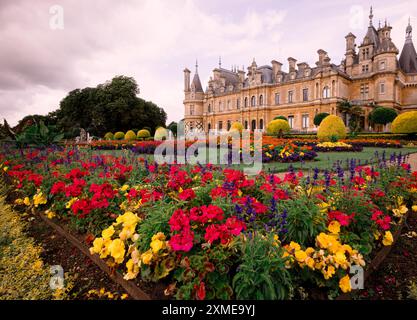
{"type": "Point", "coordinates": [281, 118]}
{"type": "Point", "coordinates": [346, 108]}
{"type": "Point", "coordinates": [111, 106]}
{"type": "Point", "coordinates": [319, 118]}
{"type": "Point", "coordinates": [405, 123]}
{"type": "Point", "coordinates": [331, 128]}
{"type": "Point", "coordinates": [130, 135]}
{"type": "Point", "coordinates": [39, 135]}
{"type": "Point", "coordinates": [161, 133]}
{"type": "Point", "coordinates": [278, 127]}
{"type": "Point", "coordinates": [173, 126]}
{"type": "Point", "coordinates": [382, 115]}
{"type": "Point", "coordinates": [262, 274]}
{"type": "Point", "coordinates": [109, 136]}
{"type": "Point", "coordinates": [236, 126]}
{"type": "Point", "coordinates": [143, 134]}
{"type": "Point", "coordinates": [119, 135]}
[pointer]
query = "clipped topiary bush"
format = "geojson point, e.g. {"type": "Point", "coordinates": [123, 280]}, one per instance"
{"type": "Point", "coordinates": [109, 136]}
{"type": "Point", "coordinates": [236, 126]}
{"type": "Point", "coordinates": [161, 133]}
{"type": "Point", "coordinates": [331, 128]}
{"type": "Point", "coordinates": [278, 127]}
{"type": "Point", "coordinates": [130, 135]}
{"type": "Point", "coordinates": [319, 118]}
{"type": "Point", "coordinates": [382, 115]}
{"type": "Point", "coordinates": [405, 123]}
{"type": "Point", "coordinates": [281, 118]}
{"type": "Point", "coordinates": [119, 135]}
{"type": "Point", "coordinates": [144, 133]}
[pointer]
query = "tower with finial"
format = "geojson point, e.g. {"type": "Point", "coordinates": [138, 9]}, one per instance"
{"type": "Point", "coordinates": [371, 16]}
{"type": "Point", "coordinates": [408, 58]}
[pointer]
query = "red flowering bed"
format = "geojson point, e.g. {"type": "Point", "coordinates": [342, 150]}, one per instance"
{"type": "Point", "coordinates": [209, 233]}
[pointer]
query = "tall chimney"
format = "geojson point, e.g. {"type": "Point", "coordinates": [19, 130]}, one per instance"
{"type": "Point", "coordinates": [186, 80]}
{"type": "Point", "coordinates": [292, 62]}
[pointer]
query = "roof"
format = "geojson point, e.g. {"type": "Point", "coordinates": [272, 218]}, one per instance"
{"type": "Point", "coordinates": [197, 83]}
{"type": "Point", "coordinates": [371, 37]}
{"type": "Point", "coordinates": [408, 58]}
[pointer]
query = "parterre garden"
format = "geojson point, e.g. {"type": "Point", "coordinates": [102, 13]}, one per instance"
{"type": "Point", "coordinates": [209, 231]}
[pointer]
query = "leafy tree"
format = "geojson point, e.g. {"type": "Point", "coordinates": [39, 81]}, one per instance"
{"type": "Point", "coordinates": [382, 115]}
{"type": "Point", "coordinates": [346, 108]}
{"type": "Point", "coordinates": [281, 118]}
{"type": "Point", "coordinates": [319, 118]}
{"type": "Point", "coordinates": [38, 135]}
{"type": "Point", "coordinates": [173, 126]}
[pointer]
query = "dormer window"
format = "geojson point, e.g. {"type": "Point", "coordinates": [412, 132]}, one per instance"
{"type": "Point", "coordinates": [382, 65]}
{"type": "Point", "coordinates": [306, 73]}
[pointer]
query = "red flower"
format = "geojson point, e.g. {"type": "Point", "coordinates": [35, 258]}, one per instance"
{"type": "Point", "coordinates": [341, 217]}
{"type": "Point", "coordinates": [187, 194]}
{"type": "Point", "coordinates": [200, 291]}
{"type": "Point", "coordinates": [182, 241]}
{"type": "Point", "coordinates": [58, 187]}
{"type": "Point", "coordinates": [179, 221]}
{"type": "Point", "coordinates": [382, 221]}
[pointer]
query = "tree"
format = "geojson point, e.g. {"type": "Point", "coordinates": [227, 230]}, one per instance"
{"type": "Point", "coordinates": [281, 118]}
{"type": "Point", "coordinates": [405, 123]}
{"type": "Point", "coordinates": [382, 115]}
{"type": "Point", "coordinates": [173, 126]}
{"type": "Point", "coordinates": [319, 118]}
{"type": "Point", "coordinates": [109, 107]}
{"type": "Point", "coordinates": [331, 128]}
{"type": "Point", "coordinates": [346, 108]}
{"type": "Point", "coordinates": [278, 128]}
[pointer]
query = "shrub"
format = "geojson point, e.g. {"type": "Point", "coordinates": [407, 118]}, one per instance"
{"type": "Point", "coordinates": [236, 126]}
{"type": "Point", "coordinates": [278, 127]}
{"type": "Point", "coordinates": [161, 133]}
{"type": "Point", "coordinates": [405, 123]}
{"type": "Point", "coordinates": [281, 118]}
{"type": "Point", "coordinates": [331, 128]}
{"type": "Point", "coordinates": [109, 136]}
{"type": "Point", "coordinates": [130, 135]}
{"type": "Point", "coordinates": [382, 115]}
{"type": "Point", "coordinates": [319, 118]}
{"type": "Point", "coordinates": [119, 135]}
{"type": "Point", "coordinates": [144, 133]}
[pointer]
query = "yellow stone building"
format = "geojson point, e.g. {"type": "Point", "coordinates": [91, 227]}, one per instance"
{"type": "Point", "coordinates": [370, 74]}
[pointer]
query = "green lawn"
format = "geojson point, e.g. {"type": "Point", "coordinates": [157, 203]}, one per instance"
{"type": "Point", "coordinates": [325, 160]}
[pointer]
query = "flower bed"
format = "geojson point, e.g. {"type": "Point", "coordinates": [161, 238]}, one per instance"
{"type": "Point", "coordinates": [209, 233]}
{"type": "Point", "coordinates": [337, 147]}
{"type": "Point", "coordinates": [287, 152]}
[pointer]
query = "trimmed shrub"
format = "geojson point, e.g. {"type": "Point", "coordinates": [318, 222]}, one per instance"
{"type": "Point", "coordinates": [119, 135]}
{"type": "Point", "coordinates": [281, 118]}
{"type": "Point", "coordinates": [130, 135]}
{"type": "Point", "coordinates": [382, 115]}
{"type": "Point", "coordinates": [319, 118]}
{"type": "Point", "coordinates": [161, 133]}
{"type": "Point", "coordinates": [331, 128]}
{"type": "Point", "coordinates": [236, 126]}
{"type": "Point", "coordinates": [405, 123]}
{"type": "Point", "coordinates": [143, 134]}
{"type": "Point", "coordinates": [109, 136]}
{"type": "Point", "coordinates": [278, 127]}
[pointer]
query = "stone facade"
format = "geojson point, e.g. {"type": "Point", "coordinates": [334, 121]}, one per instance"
{"type": "Point", "coordinates": [369, 75]}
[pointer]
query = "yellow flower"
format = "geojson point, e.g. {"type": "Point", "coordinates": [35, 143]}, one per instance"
{"type": "Point", "coordinates": [400, 211]}
{"type": "Point", "coordinates": [310, 263]}
{"type": "Point", "coordinates": [295, 246]}
{"type": "Point", "coordinates": [334, 227]}
{"type": "Point", "coordinates": [107, 233]}
{"type": "Point", "coordinates": [50, 214]}
{"type": "Point", "coordinates": [300, 255]}
{"type": "Point", "coordinates": [340, 258]}
{"type": "Point", "coordinates": [157, 245]}
{"type": "Point", "coordinates": [329, 272]}
{"type": "Point", "coordinates": [147, 257]}
{"type": "Point", "coordinates": [70, 203]}
{"type": "Point", "coordinates": [344, 284]}
{"type": "Point", "coordinates": [388, 238]}
{"type": "Point", "coordinates": [39, 199]}
{"type": "Point", "coordinates": [124, 188]}
{"type": "Point", "coordinates": [377, 235]}
{"type": "Point", "coordinates": [132, 270]}
{"type": "Point", "coordinates": [117, 250]}
{"type": "Point", "coordinates": [37, 265]}
{"type": "Point", "coordinates": [97, 245]}
{"type": "Point", "coordinates": [5, 169]}
{"type": "Point", "coordinates": [129, 219]}
{"type": "Point", "coordinates": [18, 201]}
{"type": "Point", "coordinates": [414, 207]}
{"type": "Point", "coordinates": [26, 201]}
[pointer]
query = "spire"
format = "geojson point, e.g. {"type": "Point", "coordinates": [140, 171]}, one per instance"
{"type": "Point", "coordinates": [371, 16]}
{"type": "Point", "coordinates": [220, 62]}
{"type": "Point", "coordinates": [196, 66]}
{"type": "Point", "coordinates": [408, 32]}
{"type": "Point", "coordinates": [408, 58]}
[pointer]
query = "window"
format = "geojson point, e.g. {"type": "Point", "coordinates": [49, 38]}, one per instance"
{"type": "Point", "coordinates": [261, 100]}
{"type": "Point", "coordinates": [382, 65]}
{"type": "Point", "coordinates": [229, 124]}
{"type": "Point", "coordinates": [220, 106]}
{"type": "Point", "coordinates": [382, 88]}
{"type": "Point", "coordinates": [253, 101]}
{"type": "Point", "coordinates": [261, 124]}
{"type": "Point", "coordinates": [305, 94]}
{"type": "Point", "coordinates": [290, 96]}
{"type": "Point", "coordinates": [253, 127]}
{"type": "Point", "coordinates": [276, 98]}
{"type": "Point", "coordinates": [306, 121]}
{"type": "Point", "coordinates": [209, 108]}
{"type": "Point", "coordinates": [291, 121]}
{"type": "Point", "coordinates": [238, 103]}
{"type": "Point", "coordinates": [326, 92]}
{"type": "Point", "coordinates": [209, 126]}
{"type": "Point", "coordinates": [364, 91]}
{"type": "Point", "coordinates": [246, 102]}
{"type": "Point", "coordinates": [365, 68]}
{"type": "Point", "coordinates": [220, 126]}
{"type": "Point", "coordinates": [246, 124]}
{"type": "Point", "coordinates": [191, 110]}
{"type": "Point", "coordinates": [228, 104]}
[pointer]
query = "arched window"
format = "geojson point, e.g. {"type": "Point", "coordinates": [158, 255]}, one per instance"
{"type": "Point", "coordinates": [246, 124]}
{"type": "Point", "coordinates": [246, 102]}
{"type": "Point", "coordinates": [229, 125]}
{"type": "Point", "coordinates": [238, 104]}
{"type": "Point", "coordinates": [261, 124]}
{"type": "Point", "coordinates": [333, 88]}
{"type": "Point", "coordinates": [326, 92]}
{"type": "Point", "coordinates": [261, 100]}
{"type": "Point", "coordinates": [209, 108]}
{"type": "Point", "coordinates": [253, 101]}
{"type": "Point", "coordinates": [253, 125]}
{"type": "Point", "coordinates": [209, 127]}
{"type": "Point", "coordinates": [317, 90]}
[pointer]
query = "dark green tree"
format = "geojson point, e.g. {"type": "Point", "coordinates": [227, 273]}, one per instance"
{"type": "Point", "coordinates": [382, 115]}
{"type": "Point", "coordinates": [346, 108]}
{"type": "Point", "coordinates": [319, 118]}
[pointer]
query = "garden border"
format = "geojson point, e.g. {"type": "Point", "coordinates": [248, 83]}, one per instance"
{"type": "Point", "coordinates": [133, 290]}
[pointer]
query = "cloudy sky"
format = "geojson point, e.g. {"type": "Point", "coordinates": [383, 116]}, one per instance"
{"type": "Point", "coordinates": [42, 57]}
